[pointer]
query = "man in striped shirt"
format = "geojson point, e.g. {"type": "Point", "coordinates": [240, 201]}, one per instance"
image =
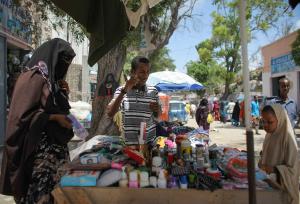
{"type": "Point", "coordinates": [138, 103]}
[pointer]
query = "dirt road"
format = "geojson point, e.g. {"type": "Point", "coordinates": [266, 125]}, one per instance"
{"type": "Point", "coordinates": [225, 134]}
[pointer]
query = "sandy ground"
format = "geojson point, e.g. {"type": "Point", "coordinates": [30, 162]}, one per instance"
{"type": "Point", "coordinates": [227, 135]}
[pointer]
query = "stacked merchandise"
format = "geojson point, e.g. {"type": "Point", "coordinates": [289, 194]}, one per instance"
{"type": "Point", "coordinates": [181, 161]}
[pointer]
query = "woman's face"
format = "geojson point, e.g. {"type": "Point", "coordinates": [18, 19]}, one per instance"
{"type": "Point", "coordinates": [62, 66]}
{"type": "Point", "coordinates": [269, 121]}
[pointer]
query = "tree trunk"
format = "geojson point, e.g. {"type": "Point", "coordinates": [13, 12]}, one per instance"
{"type": "Point", "coordinates": [227, 84]}
{"type": "Point", "coordinates": [112, 62]}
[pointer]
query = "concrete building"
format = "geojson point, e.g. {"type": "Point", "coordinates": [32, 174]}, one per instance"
{"type": "Point", "coordinates": [279, 63]}
{"type": "Point", "coordinates": [15, 42]}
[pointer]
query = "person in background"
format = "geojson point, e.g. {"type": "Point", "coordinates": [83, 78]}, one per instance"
{"type": "Point", "coordinates": [236, 114]}
{"type": "Point", "coordinates": [280, 152]}
{"type": "Point", "coordinates": [202, 113]}
{"type": "Point", "coordinates": [216, 111]}
{"type": "Point", "coordinates": [255, 114]}
{"type": "Point", "coordinates": [188, 109]}
{"type": "Point", "coordinates": [242, 113]}
{"type": "Point", "coordinates": [286, 102]}
{"type": "Point", "coordinates": [138, 103]}
{"type": "Point", "coordinates": [38, 129]}
{"type": "Point", "coordinates": [223, 112]}
{"type": "Point", "coordinates": [230, 107]}
{"type": "Point", "coordinates": [193, 110]}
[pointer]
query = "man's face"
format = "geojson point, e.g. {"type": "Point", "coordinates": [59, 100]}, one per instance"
{"type": "Point", "coordinates": [284, 87]}
{"type": "Point", "coordinates": [142, 73]}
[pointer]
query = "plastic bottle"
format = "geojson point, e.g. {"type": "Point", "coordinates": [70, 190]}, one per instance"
{"type": "Point", "coordinates": [153, 181]}
{"type": "Point", "coordinates": [183, 182]}
{"type": "Point", "coordinates": [161, 182]}
{"type": "Point", "coordinates": [133, 179]}
{"type": "Point", "coordinates": [200, 156]}
{"type": "Point", "coordinates": [144, 179]}
{"type": "Point", "coordinates": [156, 165]}
{"type": "Point", "coordinates": [123, 183]}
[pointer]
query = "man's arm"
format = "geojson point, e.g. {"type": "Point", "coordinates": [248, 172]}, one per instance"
{"type": "Point", "coordinates": [114, 105]}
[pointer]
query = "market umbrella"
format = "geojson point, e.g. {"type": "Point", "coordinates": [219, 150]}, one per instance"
{"type": "Point", "coordinates": [105, 21]}
{"type": "Point", "coordinates": [173, 81]}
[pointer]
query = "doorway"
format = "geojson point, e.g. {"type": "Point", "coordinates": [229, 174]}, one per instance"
{"type": "Point", "coordinates": [275, 85]}
{"type": "Point", "coordinates": [3, 93]}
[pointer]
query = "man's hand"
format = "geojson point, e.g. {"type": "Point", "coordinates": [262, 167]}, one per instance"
{"type": "Point", "coordinates": [133, 81]}
{"type": "Point", "coordinates": [62, 120]}
{"type": "Point", "coordinates": [267, 169]}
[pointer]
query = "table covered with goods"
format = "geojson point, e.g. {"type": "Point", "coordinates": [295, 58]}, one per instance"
{"type": "Point", "coordinates": [180, 166]}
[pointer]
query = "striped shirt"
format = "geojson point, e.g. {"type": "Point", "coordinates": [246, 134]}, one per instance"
{"type": "Point", "coordinates": [135, 108]}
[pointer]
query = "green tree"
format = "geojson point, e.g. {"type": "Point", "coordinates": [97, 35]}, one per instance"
{"type": "Point", "coordinates": [296, 49]}
{"type": "Point", "coordinates": [224, 44]}
{"type": "Point", "coordinates": [210, 75]}
{"type": "Point", "coordinates": [161, 60]}
{"type": "Point", "coordinates": [198, 71]}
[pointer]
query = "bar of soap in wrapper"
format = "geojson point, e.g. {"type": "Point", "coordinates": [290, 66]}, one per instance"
{"type": "Point", "coordinates": [143, 133]}
{"type": "Point", "coordinates": [79, 130]}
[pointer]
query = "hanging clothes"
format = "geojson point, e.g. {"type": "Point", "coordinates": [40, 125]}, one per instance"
{"type": "Point", "coordinates": [108, 87]}
{"type": "Point", "coordinates": [135, 16]}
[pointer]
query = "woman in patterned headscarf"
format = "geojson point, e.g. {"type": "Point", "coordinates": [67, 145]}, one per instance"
{"type": "Point", "coordinates": [37, 128]}
{"type": "Point", "coordinates": [279, 154]}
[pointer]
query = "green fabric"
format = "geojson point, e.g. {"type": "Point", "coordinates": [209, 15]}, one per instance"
{"type": "Point", "coordinates": [105, 20]}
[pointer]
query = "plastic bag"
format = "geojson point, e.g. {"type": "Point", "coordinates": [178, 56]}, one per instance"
{"type": "Point", "coordinates": [210, 118]}
{"type": "Point", "coordinates": [79, 130]}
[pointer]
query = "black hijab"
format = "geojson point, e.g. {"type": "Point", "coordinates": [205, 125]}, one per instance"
{"type": "Point", "coordinates": [57, 55]}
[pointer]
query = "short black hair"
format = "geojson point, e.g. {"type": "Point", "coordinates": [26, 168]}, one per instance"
{"type": "Point", "coordinates": [137, 60]}
{"type": "Point", "coordinates": [268, 109]}
{"type": "Point", "coordinates": [284, 79]}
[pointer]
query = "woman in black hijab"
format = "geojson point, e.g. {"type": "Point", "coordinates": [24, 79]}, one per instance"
{"type": "Point", "coordinates": [38, 129]}
{"type": "Point", "coordinates": [236, 114]}
{"type": "Point", "coordinates": [202, 114]}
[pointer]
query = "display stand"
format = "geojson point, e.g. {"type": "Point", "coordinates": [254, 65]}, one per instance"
{"type": "Point", "coordinates": [91, 195]}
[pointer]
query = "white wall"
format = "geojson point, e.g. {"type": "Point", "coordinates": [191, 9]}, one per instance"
{"type": "Point", "coordinates": [267, 84]}
{"type": "Point", "coordinates": [292, 76]}
{"type": "Point", "coordinates": [294, 90]}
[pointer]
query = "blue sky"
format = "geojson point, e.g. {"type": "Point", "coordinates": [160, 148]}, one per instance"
{"type": "Point", "coordinates": [189, 34]}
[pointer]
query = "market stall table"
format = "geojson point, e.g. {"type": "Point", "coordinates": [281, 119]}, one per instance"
{"type": "Point", "coordinates": [108, 195]}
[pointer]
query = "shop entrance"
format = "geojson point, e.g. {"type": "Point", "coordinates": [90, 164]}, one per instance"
{"type": "Point", "coordinates": [3, 98]}
{"type": "Point", "coordinates": [275, 85]}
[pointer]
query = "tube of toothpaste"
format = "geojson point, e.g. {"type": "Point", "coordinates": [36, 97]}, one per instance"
{"type": "Point", "coordinates": [78, 129]}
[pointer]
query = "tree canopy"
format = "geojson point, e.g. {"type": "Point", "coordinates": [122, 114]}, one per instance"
{"type": "Point", "coordinates": [223, 47]}
{"type": "Point", "coordinates": [296, 49]}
